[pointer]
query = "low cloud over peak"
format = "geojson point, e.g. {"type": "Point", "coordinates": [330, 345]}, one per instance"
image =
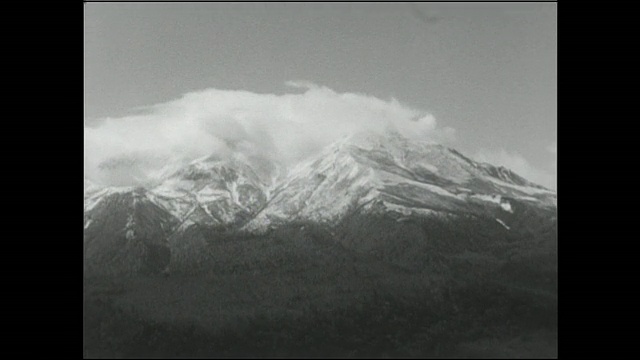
{"type": "Point", "coordinates": [283, 128]}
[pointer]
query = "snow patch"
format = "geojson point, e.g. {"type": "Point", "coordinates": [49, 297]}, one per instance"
{"type": "Point", "coordinates": [436, 189]}
{"type": "Point", "coordinates": [506, 206]}
{"type": "Point", "coordinates": [88, 223]}
{"type": "Point", "coordinates": [177, 207]}
{"type": "Point", "coordinates": [528, 198]}
{"type": "Point", "coordinates": [206, 209]}
{"type": "Point", "coordinates": [166, 190]}
{"type": "Point", "coordinates": [212, 196]}
{"type": "Point", "coordinates": [91, 203]}
{"type": "Point", "coordinates": [503, 224]}
{"type": "Point", "coordinates": [496, 199]}
{"type": "Point", "coordinates": [97, 197]}
{"type": "Point", "coordinates": [129, 228]}
{"type": "Point", "coordinates": [525, 189]}
{"type": "Point", "coordinates": [233, 191]}
{"type": "Point", "coordinates": [404, 210]}
{"type": "Point", "coordinates": [429, 167]}
{"type": "Point", "coordinates": [388, 178]}
{"type": "Point", "coordinates": [130, 222]}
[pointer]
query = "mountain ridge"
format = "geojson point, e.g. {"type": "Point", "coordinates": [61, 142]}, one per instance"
{"type": "Point", "coordinates": [361, 175]}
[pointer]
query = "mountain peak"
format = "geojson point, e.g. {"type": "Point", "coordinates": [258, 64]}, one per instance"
{"type": "Point", "coordinates": [400, 173]}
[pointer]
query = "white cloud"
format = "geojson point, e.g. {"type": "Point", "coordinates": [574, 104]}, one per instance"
{"type": "Point", "coordinates": [553, 147]}
{"type": "Point", "coordinates": [284, 128]}
{"type": "Point", "coordinates": [518, 164]}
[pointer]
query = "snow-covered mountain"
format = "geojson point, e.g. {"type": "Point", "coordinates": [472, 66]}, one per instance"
{"type": "Point", "coordinates": [207, 191]}
{"type": "Point", "coordinates": [397, 175]}
{"type": "Point", "coordinates": [213, 191]}
{"type": "Point", "coordinates": [361, 174]}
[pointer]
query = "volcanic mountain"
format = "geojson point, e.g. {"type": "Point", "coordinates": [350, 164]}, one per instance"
{"type": "Point", "coordinates": [170, 222]}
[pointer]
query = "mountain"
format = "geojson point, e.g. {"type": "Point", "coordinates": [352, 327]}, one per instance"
{"type": "Point", "coordinates": [209, 192]}
{"type": "Point", "coordinates": [171, 220]}
{"type": "Point", "coordinates": [369, 171]}
{"type": "Point", "coordinates": [213, 191]}
{"type": "Point", "coordinates": [90, 187]}
{"type": "Point", "coordinates": [126, 232]}
{"type": "Point", "coordinates": [380, 246]}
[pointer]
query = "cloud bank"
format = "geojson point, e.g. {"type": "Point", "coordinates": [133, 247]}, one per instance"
{"type": "Point", "coordinates": [283, 128]}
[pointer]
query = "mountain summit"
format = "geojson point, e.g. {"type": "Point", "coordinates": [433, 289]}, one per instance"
{"type": "Point", "coordinates": [399, 175]}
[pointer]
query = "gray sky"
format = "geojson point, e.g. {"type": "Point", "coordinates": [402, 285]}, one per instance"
{"type": "Point", "coordinates": [487, 70]}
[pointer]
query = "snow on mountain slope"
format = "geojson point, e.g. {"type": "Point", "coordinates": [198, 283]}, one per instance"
{"type": "Point", "coordinates": [220, 191]}
{"type": "Point", "coordinates": [398, 173]}
{"type": "Point", "coordinates": [395, 173]}
{"type": "Point", "coordinates": [98, 194]}
{"type": "Point", "coordinates": [133, 229]}
{"type": "Point", "coordinates": [209, 191]}
{"type": "Point", "coordinates": [90, 188]}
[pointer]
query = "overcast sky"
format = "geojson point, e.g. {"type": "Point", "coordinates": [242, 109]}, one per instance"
{"type": "Point", "coordinates": [484, 75]}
